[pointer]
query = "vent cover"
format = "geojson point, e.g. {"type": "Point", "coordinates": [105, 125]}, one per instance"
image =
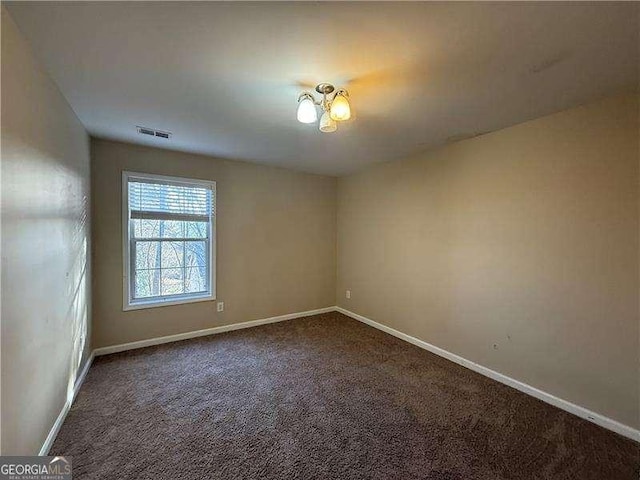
{"type": "Point", "coordinates": [152, 132]}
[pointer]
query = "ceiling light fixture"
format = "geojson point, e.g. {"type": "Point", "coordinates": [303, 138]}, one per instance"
{"type": "Point", "coordinates": [307, 109]}
{"type": "Point", "coordinates": [336, 109]}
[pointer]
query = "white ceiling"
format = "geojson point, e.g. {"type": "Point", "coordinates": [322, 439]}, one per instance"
{"type": "Point", "coordinates": [225, 77]}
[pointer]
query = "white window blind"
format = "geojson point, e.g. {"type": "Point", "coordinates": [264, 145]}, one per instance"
{"type": "Point", "coordinates": [154, 200]}
{"type": "Point", "coordinates": [169, 244]}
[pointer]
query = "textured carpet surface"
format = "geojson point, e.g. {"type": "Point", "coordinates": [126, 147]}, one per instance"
{"type": "Point", "coordinates": [323, 397]}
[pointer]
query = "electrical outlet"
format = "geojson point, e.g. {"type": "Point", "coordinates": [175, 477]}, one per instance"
{"type": "Point", "coordinates": [347, 294]}
{"type": "Point", "coordinates": [220, 307]}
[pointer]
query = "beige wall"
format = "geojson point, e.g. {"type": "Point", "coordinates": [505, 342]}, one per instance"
{"type": "Point", "coordinates": [276, 242]}
{"type": "Point", "coordinates": [45, 247]}
{"type": "Point", "coordinates": [526, 238]}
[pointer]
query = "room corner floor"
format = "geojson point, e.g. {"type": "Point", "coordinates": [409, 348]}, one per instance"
{"type": "Point", "coordinates": [322, 397]}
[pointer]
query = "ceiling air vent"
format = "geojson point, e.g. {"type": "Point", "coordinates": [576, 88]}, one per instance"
{"type": "Point", "coordinates": [152, 132]}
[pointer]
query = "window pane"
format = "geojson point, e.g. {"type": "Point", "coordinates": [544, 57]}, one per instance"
{"type": "Point", "coordinates": [143, 228]}
{"type": "Point", "coordinates": [171, 228]}
{"type": "Point", "coordinates": [147, 283]}
{"type": "Point", "coordinates": [196, 279]}
{"type": "Point", "coordinates": [172, 254]}
{"type": "Point", "coordinates": [172, 281]}
{"type": "Point", "coordinates": [196, 229]}
{"type": "Point", "coordinates": [147, 255]}
{"type": "Point", "coordinates": [196, 252]}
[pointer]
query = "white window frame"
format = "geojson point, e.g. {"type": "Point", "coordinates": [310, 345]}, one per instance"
{"type": "Point", "coordinates": [127, 295]}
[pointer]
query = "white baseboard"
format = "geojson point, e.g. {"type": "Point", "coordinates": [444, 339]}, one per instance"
{"type": "Point", "coordinates": [581, 412]}
{"type": "Point", "coordinates": [208, 331]}
{"type": "Point", "coordinates": [53, 433]}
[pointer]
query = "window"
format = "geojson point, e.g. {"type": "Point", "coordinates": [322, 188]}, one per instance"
{"type": "Point", "coordinates": [169, 240]}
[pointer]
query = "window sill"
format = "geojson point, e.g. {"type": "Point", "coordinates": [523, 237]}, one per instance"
{"type": "Point", "coordinates": [154, 303]}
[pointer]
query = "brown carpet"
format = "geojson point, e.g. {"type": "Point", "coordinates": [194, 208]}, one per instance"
{"type": "Point", "coordinates": [323, 397]}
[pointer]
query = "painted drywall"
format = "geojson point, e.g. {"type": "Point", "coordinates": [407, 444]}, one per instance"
{"type": "Point", "coordinates": [45, 247]}
{"type": "Point", "coordinates": [276, 242]}
{"type": "Point", "coordinates": [517, 250]}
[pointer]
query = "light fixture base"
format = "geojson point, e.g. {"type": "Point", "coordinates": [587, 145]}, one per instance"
{"type": "Point", "coordinates": [325, 88]}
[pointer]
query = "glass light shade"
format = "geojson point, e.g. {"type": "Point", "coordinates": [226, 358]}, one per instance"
{"type": "Point", "coordinates": [307, 111]}
{"type": "Point", "coordinates": [327, 125]}
{"type": "Point", "coordinates": [340, 109]}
